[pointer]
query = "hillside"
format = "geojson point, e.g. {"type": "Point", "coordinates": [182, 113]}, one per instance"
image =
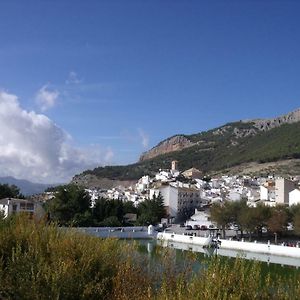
{"type": "Point", "coordinates": [233, 144]}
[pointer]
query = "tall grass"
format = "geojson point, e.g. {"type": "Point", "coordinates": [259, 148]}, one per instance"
{"type": "Point", "coordinates": [39, 261]}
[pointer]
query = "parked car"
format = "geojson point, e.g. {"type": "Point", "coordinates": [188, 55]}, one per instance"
{"type": "Point", "coordinates": [188, 227]}
{"type": "Point", "coordinates": [203, 227]}
{"type": "Point", "coordinates": [196, 227]}
{"type": "Point", "coordinates": [181, 225]}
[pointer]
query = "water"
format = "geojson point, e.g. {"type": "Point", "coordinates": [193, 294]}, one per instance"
{"type": "Point", "coordinates": [150, 247]}
{"type": "Point", "coordinates": [276, 265]}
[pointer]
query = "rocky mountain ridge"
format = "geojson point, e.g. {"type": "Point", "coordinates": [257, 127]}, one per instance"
{"type": "Point", "coordinates": [180, 142]}
{"type": "Point", "coordinates": [267, 124]}
{"type": "Point", "coordinates": [175, 143]}
{"type": "Point", "coordinates": [233, 145]}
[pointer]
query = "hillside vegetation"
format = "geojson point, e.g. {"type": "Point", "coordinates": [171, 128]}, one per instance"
{"type": "Point", "coordinates": [225, 147]}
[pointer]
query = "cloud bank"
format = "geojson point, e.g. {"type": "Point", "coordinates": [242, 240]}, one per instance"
{"type": "Point", "coordinates": [46, 98]}
{"type": "Point", "coordinates": [33, 147]}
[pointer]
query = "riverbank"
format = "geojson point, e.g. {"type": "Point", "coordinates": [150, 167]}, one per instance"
{"type": "Point", "coordinates": [231, 245]}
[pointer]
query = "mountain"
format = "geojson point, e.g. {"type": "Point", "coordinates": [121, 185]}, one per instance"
{"type": "Point", "coordinates": [26, 187]}
{"type": "Point", "coordinates": [233, 144]}
{"type": "Point", "coordinates": [239, 130]}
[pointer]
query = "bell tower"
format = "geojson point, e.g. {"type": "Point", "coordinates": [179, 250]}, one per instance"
{"type": "Point", "coordinates": [174, 166]}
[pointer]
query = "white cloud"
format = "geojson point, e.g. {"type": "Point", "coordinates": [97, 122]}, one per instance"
{"type": "Point", "coordinates": [144, 138]}
{"type": "Point", "coordinates": [73, 78]}
{"type": "Point", "coordinates": [108, 156]}
{"type": "Point", "coordinates": [33, 147]}
{"type": "Point", "coordinates": [46, 98]}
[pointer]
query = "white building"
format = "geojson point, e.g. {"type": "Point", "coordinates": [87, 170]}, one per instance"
{"type": "Point", "coordinates": [193, 173]}
{"type": "Point", "coordinates": [10, 206]}
{"type": "Point", "coordinates": [94, 196]}
{"type": "Point", "coordinates": [282, 189]}
{"type": "Point", "coordinates": [253, 194]}
{"type": "Point", "coordinates": [234, 196]}
{"type": "Point", "coordinates": [178, 201]}
{"type": "Point", "coordinates": [143, 184]}
{"type": "Point", "coordinates": [163, 175]}
{"type": "Point", "coordinates": [200, 218]}
{"type": "Point", "coordinates": [294, 197]}
{"type": "Point", "coordinates": [267, 193]}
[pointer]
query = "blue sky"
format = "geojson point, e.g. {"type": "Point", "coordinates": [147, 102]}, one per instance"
{"type": "Point", "coordinates": [120, 76]}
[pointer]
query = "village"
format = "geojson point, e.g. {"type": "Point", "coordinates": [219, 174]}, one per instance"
{"type": "Point", "coordinates": [187, 195]}
{"type": "Point", "coordinates": [190, 193]}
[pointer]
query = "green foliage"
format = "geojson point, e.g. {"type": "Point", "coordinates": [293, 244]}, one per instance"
{"type": "Point", "coordinates": [70, 206]}
{"type": "Point", "coordinates": [112, 221]}
{"type": "Point", "coordinates": [151, 210]}
{"type": "Point", "coordinates": [9, 191]}
{"type": "Point", "coordinates": [253, 219]}
{"type": "Point", "coordinates": [295, 217]}
{"type": "Point", "coordinates": [278, 220]}
{"type": "Point", "coordinates": [222, 214]}
{"type": "Point", "coordinates": [109, 211]}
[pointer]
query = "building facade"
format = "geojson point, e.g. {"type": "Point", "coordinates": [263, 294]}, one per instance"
{"type": "Point", "coordinates": [9, 206]}
{"type": "Point", "coordinates": [282, 188]}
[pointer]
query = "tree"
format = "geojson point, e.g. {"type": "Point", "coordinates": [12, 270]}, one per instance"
{"type": "Point", "coordinates": [71, 206]}
{"type": "Point", "coordinates": [112, 221]}
{"type": "Point", "coordinates": [237, 209]}
{"type": "Point", "coordinates": [261, 215]}
{"type": "Point", "coordinates": [106, 208]}
{"type": "Point", "coordinates": [151, 211]}
{"type": "Point", "coordinates": [220, 214]}
{"type": "Point", "coordinates": [295, 217]}
{"type": "Point", "coordinates": [278, 221]}
{"type": "Point", "coordinates": [9, 191]}
{"type": "Point", "coordinates": [247, 219]}
{"type": "Point", "coordinates": [296, 221]}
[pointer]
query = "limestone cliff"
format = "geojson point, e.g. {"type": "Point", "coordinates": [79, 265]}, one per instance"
{"type": "Point", "coordinates": [175, 143]}
{"type": "Point", "coordinates": [267, 124]}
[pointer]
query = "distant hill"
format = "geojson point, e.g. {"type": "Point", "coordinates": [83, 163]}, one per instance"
{"type": "Point", "coordinates": [27, 188]}
{"type": "Point", "coordinates": [233, 144]}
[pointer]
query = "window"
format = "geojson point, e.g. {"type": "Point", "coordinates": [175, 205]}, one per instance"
{"type": "Point", "coordinates": [27, 206]}
{"type": "Point", "coordinates": [30, 206]}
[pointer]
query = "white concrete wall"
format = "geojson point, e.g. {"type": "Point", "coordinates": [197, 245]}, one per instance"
{"type": "Point", "coordinates": [294, 197]}
{"type": "Point", "coordinates": [268, 258]}
{"type": "Point", "coordinates": [197, 240]}
{"type": "Point", "coordinates": [234, 245]}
